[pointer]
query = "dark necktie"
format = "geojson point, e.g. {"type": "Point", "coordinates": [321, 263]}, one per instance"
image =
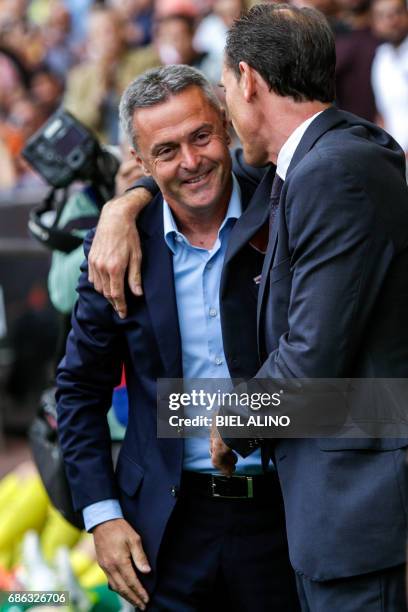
{"type": "Point", "coordinates": [273, 209]}
{"type": "Point", "coordinates": [274, 199]}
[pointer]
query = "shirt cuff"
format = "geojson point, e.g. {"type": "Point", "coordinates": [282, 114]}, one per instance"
{"type": "Point", "coordinates": [100, 512]}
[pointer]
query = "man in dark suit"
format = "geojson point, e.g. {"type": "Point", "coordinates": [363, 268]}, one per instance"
{"type": "Point", "coordinates": [332, 301]}
{"type": "Point", "coordinates": [165, 526]}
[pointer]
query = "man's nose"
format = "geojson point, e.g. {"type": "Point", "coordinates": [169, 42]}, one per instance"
{"type": "Point", "coordinates": [190, 158]}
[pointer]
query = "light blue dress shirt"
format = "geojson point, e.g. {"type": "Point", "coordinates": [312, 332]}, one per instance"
{"type": "Point", "coordinates": [197, 276]}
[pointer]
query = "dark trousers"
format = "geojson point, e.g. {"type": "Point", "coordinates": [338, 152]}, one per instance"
{"type": "Point", "coordinates": [228, 555]}
{"type": "Point", "coordinates": [382, 591]}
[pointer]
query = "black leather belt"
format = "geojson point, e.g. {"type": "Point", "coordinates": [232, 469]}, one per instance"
{"type": "Point", "coordinates": [233, 487]}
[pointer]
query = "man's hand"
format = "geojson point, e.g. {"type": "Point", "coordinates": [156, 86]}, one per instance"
{"type": "Point", "coordinates": [222, 457]}
{"type": "Point", "coordinates": [116, 247]}
{"type": "Point", "coordinates": [117, 545]}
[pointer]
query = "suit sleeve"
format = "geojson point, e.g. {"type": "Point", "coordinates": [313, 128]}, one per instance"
{"type": "Point", "coordinates": [86, 377]}
{"type": "Point", "coordinates": [339, 258]}
{"type": "Point", "coordinates": [147, 182]}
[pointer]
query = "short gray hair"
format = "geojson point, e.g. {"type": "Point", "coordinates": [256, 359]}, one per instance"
{"type": "Point", "coordinates": [158, 85]}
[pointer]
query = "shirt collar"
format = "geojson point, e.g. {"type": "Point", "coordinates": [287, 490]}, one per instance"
{"type": "Point", "coordinates": [171, 230]}
{"type": "Point", "coordinates": [288, 150]}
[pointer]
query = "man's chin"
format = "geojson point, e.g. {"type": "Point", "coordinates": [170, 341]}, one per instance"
{"type": "Point", "coordinates": [254, 158]}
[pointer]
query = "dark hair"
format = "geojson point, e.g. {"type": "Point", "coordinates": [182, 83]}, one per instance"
{"type": "Point", "coordinates": [291, 48]}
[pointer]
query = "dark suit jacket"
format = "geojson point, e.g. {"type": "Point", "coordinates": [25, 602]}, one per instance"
{"type": "Point", "coordinates": [333, 303]}
{"type": "Point", "coordinates": [148, 342]}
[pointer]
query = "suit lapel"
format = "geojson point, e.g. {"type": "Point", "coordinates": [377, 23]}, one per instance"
{"type": "Point", "coordinates": [253, 218]}
{"type": "Point", "coordinates": [158, 285]}
{"type": "Point", "coordinates": [270, 252]}
{"type": "Point", "coordinates": [324, 122]}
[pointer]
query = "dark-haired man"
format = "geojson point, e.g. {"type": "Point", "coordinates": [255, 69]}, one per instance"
{"type": "Point", "coordinates": [332, 301]}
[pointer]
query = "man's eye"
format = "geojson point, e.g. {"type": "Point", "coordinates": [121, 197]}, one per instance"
{"type": "Point", "coordinates": [203, 138]}
{"type": "Point", "coordinates": [166, 153]}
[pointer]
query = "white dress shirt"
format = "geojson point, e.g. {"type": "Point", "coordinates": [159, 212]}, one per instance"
{"type": "Point", "coordinates": [288, 150]}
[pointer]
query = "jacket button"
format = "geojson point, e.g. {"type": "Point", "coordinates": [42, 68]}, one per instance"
{"type": "Point", "coordinates": [174, 491]}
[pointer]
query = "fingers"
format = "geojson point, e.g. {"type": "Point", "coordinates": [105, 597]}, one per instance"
{"type": "Point", "coordinates": [116, 248]}
{"type": "Point", "coordinates": [124, 581]}
{"type": "Point", "coordinates": [223, 458]}
{"type": "Point", "coordinates": [138, 555]}
{"type": "Point", "coordinates": [225, 462]}
{"type": "Point", "coordinates": [94, 273]}
{"type": "Point", "coordinates": [117, 295]}
{"type": "Point", "coordinates": [134, 271]}
{"type": "Point", "coordinates": [108, 279]}
{"type": "Point", "coordinates": [116, 545]}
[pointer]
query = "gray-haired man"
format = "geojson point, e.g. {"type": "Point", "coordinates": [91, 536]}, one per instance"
{"type": "Point", "coordinates": [165, 526]}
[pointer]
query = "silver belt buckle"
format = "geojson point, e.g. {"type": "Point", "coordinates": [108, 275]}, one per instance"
{"type": "Point", "coordinates": [249, 483]}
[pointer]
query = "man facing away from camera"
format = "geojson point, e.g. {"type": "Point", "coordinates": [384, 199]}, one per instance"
{"type": "Point", "coordinates": [169, 532]}
{"type": "Point", "coordinates": [332, 300]}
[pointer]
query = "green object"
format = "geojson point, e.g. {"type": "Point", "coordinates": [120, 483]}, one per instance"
{"type": "Point", "coordinates": [105, 599]}
{"type": "Point", "coordinates": [65, 270]}
{"type": "Point", "coordinates": [65, 267]}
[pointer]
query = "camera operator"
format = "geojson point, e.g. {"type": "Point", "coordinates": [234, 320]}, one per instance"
{"type": "Point", "coordinates": [64, 151]}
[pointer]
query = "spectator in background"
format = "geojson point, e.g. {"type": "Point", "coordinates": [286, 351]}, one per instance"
{"type": "Point", "coordinates": [14, 11]}
{"type": "Point", "coordinates": [355, 53]}
{"type": "Point", "coordinates": [390, 68]}
{"type": "Point", "coordinates": [14, 83]}
{"type": "Point", "coordinates": [212, 31]}
{"type": "Point", "coordinates": [174, 40]}
{"type": "Point", "coordinates": [79, 10]}
{"type": "Point", "coordinates": [47, 89]}
{"type": "Point", "coordinates": [18, 34]}
{"type": "Point", "coordinates": [14, 78]}
{"type": "Point", "coordinates": [330, 10]}
{"type": "Point", "coordinates": [59, 50]}
{"type": "Point", "coordinates": [137, 16]}
{"type": "Point", "coordinates": [26, 117]}
{"type": "Point", "coordinates": [94, 87]}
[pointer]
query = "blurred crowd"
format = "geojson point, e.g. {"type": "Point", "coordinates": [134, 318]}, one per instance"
{"type": "Point", "coordinates": [82, 53]}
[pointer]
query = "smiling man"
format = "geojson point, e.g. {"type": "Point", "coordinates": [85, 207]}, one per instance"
{"type": "Point", "coordinates": [332, 300]}
{"type": "Point", "coordinates": [170, 532]}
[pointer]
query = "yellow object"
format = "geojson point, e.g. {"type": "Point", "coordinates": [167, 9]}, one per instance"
{"type": "Point", "coordinates": [9, 486]}
{"type": "Point", "coordinates": [5, 558]}
{"type": "Point", "coordinates": [27, 510]}
{"type": "Point", "coordinates": [92, 577]}
{"type": "Point", "coordinates": [80, 562]}
{"type": "Point", "coordinates": [57, 532]}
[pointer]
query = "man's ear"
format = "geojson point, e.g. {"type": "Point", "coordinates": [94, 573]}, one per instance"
{"type": "Point", "coordinates": [140, 161]}
{"type": "Point", "coordinates": [247, 81]}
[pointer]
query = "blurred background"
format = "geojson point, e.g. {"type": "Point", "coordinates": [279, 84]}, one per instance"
{"type": "Point", "coordinates": [81, 54]}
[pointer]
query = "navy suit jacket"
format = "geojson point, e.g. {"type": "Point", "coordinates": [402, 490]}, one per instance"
{"type": "Point", "coordinates": [333, 303]}
{"type": "Point", "coordinates": [148, 470]}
